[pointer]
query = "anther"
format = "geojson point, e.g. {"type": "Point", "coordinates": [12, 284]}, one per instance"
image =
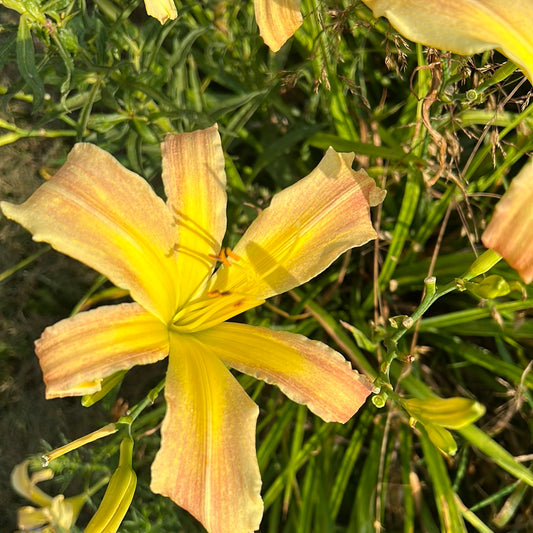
{"type": "Point", "coordinates": [232, 255]}
{"type": "Point", "coordinates": [223, 256]}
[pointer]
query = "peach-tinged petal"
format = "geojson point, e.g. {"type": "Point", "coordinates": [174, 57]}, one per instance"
{"type": "Point", "coordinates": [100, 213]}
{"type": "Point", "coordinates": [207, 462]}
{"type": "Point", "coordinates": [162, 10]}
{"type": "Point", "coordinates": [77, 353]}
{"type": "Point", "coordinates": [195, 184]}
{"type": "Point", "coordinates": [307, 371]}
{"type": "Point", "coordinates": [465, 26]}
{"type": "Point", "coordinates": [277, 20]}
{"type": "Point", "coordinates": [509, 231]}
{"type": "Point", "coordinates": [306, 227]}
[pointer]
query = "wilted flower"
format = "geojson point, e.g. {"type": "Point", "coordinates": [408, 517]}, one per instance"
{"type": "Point", "coordinates": [52, 514]}
{"type": "Point", "coordinates": [98, 212]}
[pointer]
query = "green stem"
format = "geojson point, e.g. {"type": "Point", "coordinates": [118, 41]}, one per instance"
{"type": "Point", "coordinates": [142, 405]}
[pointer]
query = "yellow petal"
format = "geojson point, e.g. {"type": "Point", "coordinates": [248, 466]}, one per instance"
{"type": "Point", "coordinates": [306, 227]}
{"type": "Point", "coordinates": [195, 185]}
{"type": "Point", "coordinates": [207, 462]}
{"type": "Point", "coordinates": [77, 353]}
{"type": "Point", "coordinates": [465, 26]}
{"type": "Point", "coordinates": [31, 519]}
{"type": "Point", "coordinates": [100, 213]}
{"type": "Point", "coordinates": [509, 231]}
{"type": "Point", "coordinates": [307, 371]}
{"type": "Point", "coordinates": [26, 487]}
{"type": "Point", "coordinates": [277, 20]}
{"type": "Point", "coordinates": [162, 10]}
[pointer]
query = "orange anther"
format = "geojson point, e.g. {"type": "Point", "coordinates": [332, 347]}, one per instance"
{"type": "Point", "coordinates": [221, 257]}
{"type": "Point", "coordinates": [213, 294]}
{"type": "Point", "coordinates": [232, 255]}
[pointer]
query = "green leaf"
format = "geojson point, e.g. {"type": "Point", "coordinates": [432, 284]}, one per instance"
{"type": "Point", "coordinates": [26, 62]}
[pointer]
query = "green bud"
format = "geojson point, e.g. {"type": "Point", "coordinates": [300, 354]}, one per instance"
{"type": "Point", "coordinates": [441, 438]}
{"type": "Point", "coordinates": [451, 413]}
{"type": "Point", "coordinates": [490, 287]}
{"type": "Point", "coordinates": [482, 264]}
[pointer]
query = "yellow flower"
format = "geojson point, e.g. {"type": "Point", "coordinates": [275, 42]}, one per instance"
{"type": "Point", "coordinates": [465, 26]}
{"type": "Point", "coordinates": [98, 212]}
{"type": "Point", "coordinates": [162, 10]}
{"type": "Point", "coordinates": [52, 514]}
{"type": "Point", "coordinates": [277, 20]}
{"type": "Point", "coordinates": [509, 231]}
{"type": "Point", "coordinates": [462, 26]}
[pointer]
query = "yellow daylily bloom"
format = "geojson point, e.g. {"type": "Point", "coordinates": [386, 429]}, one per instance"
{"type": "Point", "coordinates": [509, 231]}
{"type": "Point", "coordinates": [465, 26]}
{"type": "Point", "coordinates": [162, 10]}
{"type": "Point", "coordinates": [165, 255]}
{"type": "Point", "coordinates": [277, 20]}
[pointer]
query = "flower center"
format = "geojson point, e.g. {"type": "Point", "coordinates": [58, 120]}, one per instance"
{"type": "Point", "coordinates": [214, 306]}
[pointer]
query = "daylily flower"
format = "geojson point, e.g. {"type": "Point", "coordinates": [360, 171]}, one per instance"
{"type": "Point", "coordinates": [96, 211]}
{"type": "Point", "coordinates": [53, 513]}
{"type": "Point", "coordinates": [509, 231]}
{"type": "Point", "coordinates": [277, 20]}
{"type": "Point", "coordinates": [162, 10]}
{"type": "Point", "coordinates": [465, 26]}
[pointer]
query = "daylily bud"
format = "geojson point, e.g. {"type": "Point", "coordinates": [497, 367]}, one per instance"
{"type": "Point", "coordinates": [118, 496]}
{"type": "Point", "coordinates": [490, 287]}
{"type": "Point", "coordinates": [451, 413]}
{"type": "Point", "coordinates": [441, 438]}
{"type": "Point", "coordinates": [482, 264]}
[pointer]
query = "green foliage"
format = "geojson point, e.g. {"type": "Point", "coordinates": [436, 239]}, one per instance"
{"type": "Point", "coordinates": [444, 134]}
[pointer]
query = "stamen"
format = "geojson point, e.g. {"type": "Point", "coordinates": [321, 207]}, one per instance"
{"type": "Point", "coordinates": [223, 256]}
{"type": "Point", "coordinates": [232, 255]}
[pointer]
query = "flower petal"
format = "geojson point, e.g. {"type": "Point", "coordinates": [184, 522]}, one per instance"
{"type": "Point", "coordinates": [307, 371]}
{"type": "Point", "coordinates": [195, 184]}
{"type": "Point", "coordinates": [207, 462]}
{"type": "Point", "coordinates": [26, 487]}
{"type": "Point", "coordinates": [100, 213]}
{"type": "Point", "coordinates": [277, 20]}
{"type": "Point", "coordinates": [465, 26]}
{"type": "Point", "coordinates": [77, 353]}
{"type": "Point", "coordinates": [306, 227]}
{"type": "Point", "coordinates": [509, 231]}
{"type": "Point", "coordinates": [162, 10]}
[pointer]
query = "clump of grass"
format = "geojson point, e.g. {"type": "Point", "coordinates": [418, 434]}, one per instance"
{"type": "Point", "coordinates": [444, 134]}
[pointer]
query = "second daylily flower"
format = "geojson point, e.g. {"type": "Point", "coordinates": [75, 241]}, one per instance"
{"type": "Point", "coordinates": [462, 26]}
{"type": "Point", "coordinates": [98, 212]}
